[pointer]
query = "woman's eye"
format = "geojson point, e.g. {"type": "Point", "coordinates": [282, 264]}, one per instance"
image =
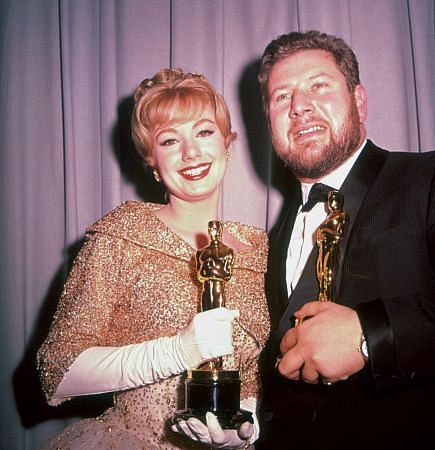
{"type": "Point", "coordinates": [205, 133]}
{"type": "Point", "coordinates": [168, 142]}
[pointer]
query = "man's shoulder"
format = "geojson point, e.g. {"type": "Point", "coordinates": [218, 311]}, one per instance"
{"type": "Point", "coordinates": [400, 155]}
{"type": "Point", "coordinates": [409, 162]}
{"type": "Point", "coordinates": [405, 162]}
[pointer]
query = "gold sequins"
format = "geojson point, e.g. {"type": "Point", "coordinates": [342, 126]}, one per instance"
{"type": "Point", "coordinates": [134, 280]}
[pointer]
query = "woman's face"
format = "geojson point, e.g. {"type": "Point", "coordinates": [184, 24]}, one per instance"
{"type": "Point", "coordinates": [191, 157]}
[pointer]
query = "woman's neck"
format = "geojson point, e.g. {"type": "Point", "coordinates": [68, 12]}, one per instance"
{"type": "Point", "coordinates": [190, 219]}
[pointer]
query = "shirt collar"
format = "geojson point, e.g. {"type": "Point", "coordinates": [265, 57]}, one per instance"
{"type": "Point", "coordinates": [336, 178]}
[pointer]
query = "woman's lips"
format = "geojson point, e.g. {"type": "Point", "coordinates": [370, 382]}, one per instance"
{"type": "Point", "coordinates": [195, 173]}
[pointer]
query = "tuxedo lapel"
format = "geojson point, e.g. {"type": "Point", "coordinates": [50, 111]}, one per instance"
{"type": "Point", "coordinates": [282, 240]}
{"type": "Point", "coordinates": [354, 189]}
{"type": "Point", "coordinates": [279, 242]}
{"type": "Point", "coordinates": [306, 290]}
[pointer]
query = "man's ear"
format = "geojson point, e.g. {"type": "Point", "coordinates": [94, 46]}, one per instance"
{"type": "Point", "coordinates": [361, 102]}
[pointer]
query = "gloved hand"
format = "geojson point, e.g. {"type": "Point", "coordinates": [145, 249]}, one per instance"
{"type": "Point", "coordinates": [208, 335]}
{"type": "Point", "coordinates": [107, 369]}
{"type": "Point", "coordinates": [213, 435]}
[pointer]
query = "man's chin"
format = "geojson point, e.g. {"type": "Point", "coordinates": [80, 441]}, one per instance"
{"type": "Point", "coordinates": [311, 155]}
{"type": "Point", "coordinates": [315, 147]}
{"type": "Point", "coordinates": [311, 163]}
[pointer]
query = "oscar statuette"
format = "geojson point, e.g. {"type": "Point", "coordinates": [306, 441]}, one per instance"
{"type": "Point", "coordinates": [210, 387]}
{"type": "Point", "coordinates": [329, 235]}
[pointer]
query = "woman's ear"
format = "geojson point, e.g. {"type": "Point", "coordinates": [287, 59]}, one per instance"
{"type": "Point", "coordinates": [230, 138]}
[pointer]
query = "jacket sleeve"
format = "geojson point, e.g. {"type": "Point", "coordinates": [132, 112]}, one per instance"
{"type": "Point", "coordinates": [400, 330]}
{"type": "Point", "coordinates": [83, 315]}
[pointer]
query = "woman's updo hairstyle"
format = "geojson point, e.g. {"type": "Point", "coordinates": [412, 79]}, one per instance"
{"type": "Point", "coordinates": [173, 96]}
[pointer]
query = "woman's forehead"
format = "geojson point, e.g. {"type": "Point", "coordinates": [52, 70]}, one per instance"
{"type": "Point", "coordinates": [185, 113]}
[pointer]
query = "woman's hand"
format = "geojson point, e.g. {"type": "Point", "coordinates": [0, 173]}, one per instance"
{"type": "Point", "coordinates": [209, 335]}
{"type": "Point", "coordinates": [212, 433]}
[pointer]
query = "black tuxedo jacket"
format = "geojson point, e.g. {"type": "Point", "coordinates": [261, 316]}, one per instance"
{"type": "Point", "coordinates": [387, 274]}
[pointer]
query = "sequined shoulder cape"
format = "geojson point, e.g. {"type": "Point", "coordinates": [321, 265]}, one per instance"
{"type": "Point", "coordinates": [135, 280]}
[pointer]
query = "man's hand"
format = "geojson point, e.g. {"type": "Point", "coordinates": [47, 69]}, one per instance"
{"type": "Point", "coordinates": [324, 347]}
{"type": "Point", "coordinates": [212, 434]}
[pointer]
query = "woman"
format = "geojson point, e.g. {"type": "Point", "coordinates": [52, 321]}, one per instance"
{"type": "Point", "coordinates": [128, 318]}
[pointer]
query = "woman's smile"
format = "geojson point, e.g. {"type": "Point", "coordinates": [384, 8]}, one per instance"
{"type": "Point", "coordinates": [197, 172]}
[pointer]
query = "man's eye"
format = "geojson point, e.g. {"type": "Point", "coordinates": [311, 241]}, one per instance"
{"type": "Point", "coordinates": [283, 96]}
{"type": "Point", "coordinates": [205, 133]}
{"type": "Point", "coordinates": [320, 85]}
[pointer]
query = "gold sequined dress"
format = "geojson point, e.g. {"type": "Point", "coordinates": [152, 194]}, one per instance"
{"type": "Point", "coordinates": [135, 280]}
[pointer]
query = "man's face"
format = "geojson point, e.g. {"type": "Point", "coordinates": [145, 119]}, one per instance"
{"type": "Point", "coordinates": [316, 123]}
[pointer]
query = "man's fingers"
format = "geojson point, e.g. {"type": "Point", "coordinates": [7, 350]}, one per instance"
{"type": "Point", "coordinates": [290, 365]}
{"type": "Point", "coordinates": [288, 341]}
{"type": "Point", "coordinates": [313, 308]}
{"type": "Point", "coordinates": [309, 375]}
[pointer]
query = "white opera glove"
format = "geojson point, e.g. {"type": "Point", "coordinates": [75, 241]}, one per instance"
{"type": "Point", "coordinates": [107, 369]}
{"type": "Point", "coordinates": [208, 335]}
{"type": "Point", "coordinates": [214, 436]}
{"type": "Point", "coordinates": [250, 404]}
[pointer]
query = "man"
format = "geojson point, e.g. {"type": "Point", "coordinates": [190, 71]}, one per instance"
{"type": "Point", "coordinates": [358, 372]}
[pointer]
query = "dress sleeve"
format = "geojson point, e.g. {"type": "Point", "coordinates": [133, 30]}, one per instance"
{"type": "Point", "coordinates": [83, 316]}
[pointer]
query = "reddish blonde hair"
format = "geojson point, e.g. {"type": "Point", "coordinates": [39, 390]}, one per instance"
{"type": "Point", "coordinates": [173, 96]}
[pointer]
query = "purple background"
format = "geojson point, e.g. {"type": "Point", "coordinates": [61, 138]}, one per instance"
{"type": "Point", "coordinates": [68, 69]}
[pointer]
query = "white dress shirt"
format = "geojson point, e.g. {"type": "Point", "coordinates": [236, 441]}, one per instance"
{"type": "Point", "coordinates": [303, 236]}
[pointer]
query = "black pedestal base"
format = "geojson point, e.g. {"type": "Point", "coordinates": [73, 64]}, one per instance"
{"type": "Point", "coordinates": [217, 391]}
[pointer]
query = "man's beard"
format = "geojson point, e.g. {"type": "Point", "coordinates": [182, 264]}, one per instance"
{"type": "Point", "coordinates": [327, 156]}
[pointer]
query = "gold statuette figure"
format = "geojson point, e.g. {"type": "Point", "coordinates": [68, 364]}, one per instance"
{"type": "Point", "coordinates": [210, 387]}
{"type": "Point", "coordinates": [214, 265]}
{"type": "Point", "coordinates": [329, 235]}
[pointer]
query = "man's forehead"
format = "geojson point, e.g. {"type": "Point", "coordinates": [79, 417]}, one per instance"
{"type": "Point", "coordinates": [306, 64]}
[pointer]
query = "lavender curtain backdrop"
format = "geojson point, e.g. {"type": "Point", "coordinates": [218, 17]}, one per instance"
{"type": "Point", "coordinates": [68, 69]}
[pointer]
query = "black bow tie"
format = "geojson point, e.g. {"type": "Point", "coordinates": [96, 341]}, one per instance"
{"type": "Point", "coordinates": [318, 193]}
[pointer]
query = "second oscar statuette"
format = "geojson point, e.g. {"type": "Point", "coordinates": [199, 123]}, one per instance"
{"type": "Point", "coordinates": [329, 236]}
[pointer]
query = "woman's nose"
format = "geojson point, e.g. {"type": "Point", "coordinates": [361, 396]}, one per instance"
{"type": "Point", "coordinates": [191, 150]}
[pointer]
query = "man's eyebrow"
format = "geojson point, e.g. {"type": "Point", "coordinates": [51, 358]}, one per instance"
{"type": "Point", "coordinates": [310, 78]}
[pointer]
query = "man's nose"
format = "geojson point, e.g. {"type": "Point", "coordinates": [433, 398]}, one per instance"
{"type": "Point", "coordinates": [301, 104]}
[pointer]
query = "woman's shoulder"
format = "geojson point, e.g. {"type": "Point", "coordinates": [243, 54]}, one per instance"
{"type": "Point", "coordinates": [125, 220]}
{"type": "Point", "coordinates": [255, 257]}
{"type": "Point", "coordinates": [135, 223]}
{"type": "Point", "coordinates": [250, 234]}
